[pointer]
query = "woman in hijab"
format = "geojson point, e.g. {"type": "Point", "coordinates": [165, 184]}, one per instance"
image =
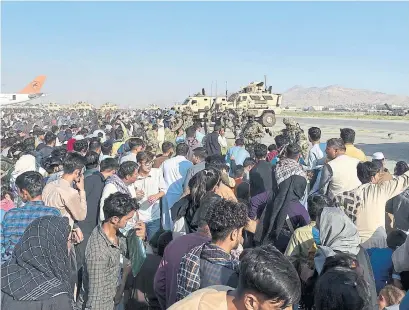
{"type": "Point", "coordinates": [202, 186]}
{"type": "Point", "coordinates": [283, 214]}
{"type": "Point", "coordinates": [37, 275]}
{"type": "Point", "coordinates": [338, 234]}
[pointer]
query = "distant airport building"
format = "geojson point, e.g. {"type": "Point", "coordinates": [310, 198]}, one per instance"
{"type": "Point", "coordinates": [317, 108]}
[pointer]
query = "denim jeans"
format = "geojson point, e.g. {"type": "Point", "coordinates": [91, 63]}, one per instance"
{"type": "Point", "coordinates": [152, 227]}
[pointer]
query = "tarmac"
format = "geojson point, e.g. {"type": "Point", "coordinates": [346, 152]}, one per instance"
{"type": "Point", "coordinates": [371, 135]}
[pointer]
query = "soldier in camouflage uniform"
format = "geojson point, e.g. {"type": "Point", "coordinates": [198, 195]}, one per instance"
{"type": "Point", "coordinates": [296, 135]}
{"type": "Point", "coordinates": [252, 132]}
{"type": "Point", "coordinates": [187, 116]}
{"type": "Point", "coordinates": [152, 138]}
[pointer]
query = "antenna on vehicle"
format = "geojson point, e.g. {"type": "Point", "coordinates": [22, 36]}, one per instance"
{"type": "Point", "coordinates": [203, 92]}
{"type": "Point", "coordinates": [265, 82]}
{"type": "Point", "coordinates": [216, 88]}
{"type": "Point", "coordinates": [226, 90]}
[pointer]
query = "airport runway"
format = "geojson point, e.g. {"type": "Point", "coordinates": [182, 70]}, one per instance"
{"type": "Point", "coordinates": [365, 124]}
{"type": "Point", "coordinates": [371, 135]}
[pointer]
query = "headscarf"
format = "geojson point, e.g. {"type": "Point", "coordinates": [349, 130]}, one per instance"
{"type": "Point", "coordinates": [25, 163]}
{"type": "Point", "coordinates": [39, 267]}
{"type": "Point", "coordinates": [274, 215]}
{"type": "Point", "coordinates": [337, 234]}
{"type": "Point", "coordinates": [119, 184]}
{"type": "Point", "coordinates": [286, 168]}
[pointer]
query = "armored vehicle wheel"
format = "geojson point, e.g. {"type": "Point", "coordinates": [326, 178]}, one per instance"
{"type": "Point", "coordinates": [268, 119]}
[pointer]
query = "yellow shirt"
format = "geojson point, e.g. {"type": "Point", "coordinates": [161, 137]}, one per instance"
{"type": "Point", "coordinates": [115, 147]}
{"type": "Point", "coordinates": [354, 152]}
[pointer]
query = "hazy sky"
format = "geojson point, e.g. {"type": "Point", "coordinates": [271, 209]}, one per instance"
{"type": "Point", "coordinates": [138, 53]}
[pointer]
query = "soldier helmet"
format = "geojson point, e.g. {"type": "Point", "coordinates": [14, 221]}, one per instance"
{"type": "Point", "coordinates": [288, 121]}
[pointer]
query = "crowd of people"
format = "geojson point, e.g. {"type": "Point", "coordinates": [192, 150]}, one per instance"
{"type": "Point", "coordinates": [96, 215]}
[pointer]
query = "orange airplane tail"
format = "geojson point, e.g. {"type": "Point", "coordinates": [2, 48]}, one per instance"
{"type": "Point", "coordinates": [34, 86]}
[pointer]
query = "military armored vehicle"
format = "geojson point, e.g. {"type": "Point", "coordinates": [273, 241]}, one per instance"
{"type": "Point", "coordinates": [81, 106]}
{"type": "Point", "coordinates": [108, 107]}
{"type": "Point", "coordinates": [200, 103]}
{"type": "Point", "coordinates": [52, 106]}
{"type": "Point", "coordinates": [253, 99]}
{"type": "Point", "coordinates": [257, 101]}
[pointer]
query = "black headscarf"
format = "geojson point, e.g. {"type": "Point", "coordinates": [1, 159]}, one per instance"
{"type": "Point", "coordinates": [39, 268]}
{"type": "Point", "coordinates": [274, 215]}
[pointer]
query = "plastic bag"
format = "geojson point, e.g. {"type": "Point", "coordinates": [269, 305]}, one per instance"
{"type": "Point", "coordinates": [136, 251]}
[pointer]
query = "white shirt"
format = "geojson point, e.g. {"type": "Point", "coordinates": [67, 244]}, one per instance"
{"type": "Point", "coordinates": [222, 141]}
{"type": "Point", "coordinates": [102, 157]}
{"type": "Point", "coordinates": [314, 156]}
{"type": "Point", "coordinates": [128, 157]}
{"type": "Point", "coordinates": [151, 185]}
{"type": "Point", "coordinates": [161, 132]}
{"type": "Point", "coordinates": [174, 173]}
{"type": "Point", "coordinates": [108, 190]}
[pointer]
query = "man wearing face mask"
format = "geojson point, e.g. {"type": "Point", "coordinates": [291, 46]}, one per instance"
{"type": "Point", "coordinates": [105, 246]}
{"type": "Point", "coordinates": [212, 263]}
{"type": "Point", "coordinates": [30, 185]}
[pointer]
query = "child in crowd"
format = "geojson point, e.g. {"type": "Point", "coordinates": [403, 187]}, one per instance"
{"type": "Point", "coordinates": [242, 187]}
{"type": "Point", "coordinates": [6, 202]}
{"type": "Point", "coordinates": [272, 152]}
{"type": "Point", "coordinates": [390, 297]}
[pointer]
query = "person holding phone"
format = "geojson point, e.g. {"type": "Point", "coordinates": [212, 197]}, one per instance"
{"type": "Point", "coordinates": [67, 194]}
{"type": "Point", "coordinates": [105, 246]}
{"type": "Point", "coordinates": [150, 188]}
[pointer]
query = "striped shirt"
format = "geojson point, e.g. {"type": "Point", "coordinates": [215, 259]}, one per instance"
{"type": "Point", "coordinates": [15, 222]}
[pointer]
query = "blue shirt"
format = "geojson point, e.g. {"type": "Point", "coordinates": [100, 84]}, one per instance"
{"type": "Point", "coordinates": [381, 261]}
{"type": "Point", "coordinates": [239, 153]}
{"type": "Point", "coordinates": [200, 136]}
{"type": "Point", "coordinates": [405, 302]}
{"type": "Point", "coordinates": [180, 139]}
{"type": "Point", "coordinates": [15, 222]}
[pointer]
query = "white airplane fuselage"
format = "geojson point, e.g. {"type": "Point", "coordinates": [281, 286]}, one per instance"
{"type": "Point", "coordinates": [15, 99]}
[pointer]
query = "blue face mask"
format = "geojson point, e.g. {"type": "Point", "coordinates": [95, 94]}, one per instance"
{"type": "Point", "coordinates": [130, 224]}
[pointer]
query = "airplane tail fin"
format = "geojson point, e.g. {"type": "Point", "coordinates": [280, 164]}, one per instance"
{"type": "Point", "coordinates": [34, 86]}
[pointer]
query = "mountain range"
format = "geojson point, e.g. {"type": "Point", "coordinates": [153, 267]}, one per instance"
{"type": "Point", "coordinates": [336, 95]}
